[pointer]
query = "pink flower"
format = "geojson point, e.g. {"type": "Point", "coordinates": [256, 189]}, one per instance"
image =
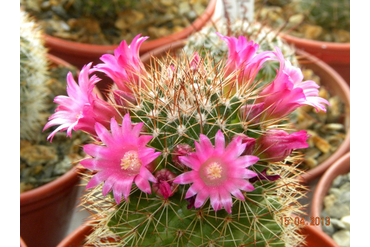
{"type": "Point", "coordinates": [81, 109]}
{"type": "Point", "coordinates": [243, 56]}
{"type": "Point", "coordinates": [217, 172]}
{"type": "Point", "coordinates": [276, 145]}
{"type": "Point", "coordinates": [287, 92]}
{"type": "Point", "coordinates": [125, 66]}
{"type": "Point", "coordinates": [122, 160]}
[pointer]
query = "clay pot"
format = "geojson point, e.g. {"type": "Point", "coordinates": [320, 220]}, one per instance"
{"type": "Point", "coordinates": [46, 211]}
{"type": "Point", "coordinates": [341, 166]}
{"type": "Point", "coordinates": [337, 86]}
{"type": "Point", "coordinates": [329, 77]}
{"type": "Point", "coordinates": [79, 54]}
{"type": "Point", "coordinates": [337, 55]}
{"type": "Point", "coordinates": [314, 237]}
{"type": "Point", "coordinates": [77, 237]}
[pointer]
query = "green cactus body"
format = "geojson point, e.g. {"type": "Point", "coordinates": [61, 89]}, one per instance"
{"type": "Point", "coordinates": [34, 77]}
{"type": "Point", "coordinates": [328, 14]}
{"type": "Point", "coordinates": [176, 108]}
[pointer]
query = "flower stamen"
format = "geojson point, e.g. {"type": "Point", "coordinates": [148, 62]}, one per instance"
{"type": "Point", "coordinates": [131, 162]}
{"type": "Point", "coordinates": [214, 171]}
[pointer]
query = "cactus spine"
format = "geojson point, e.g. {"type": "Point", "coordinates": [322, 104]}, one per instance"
{"type": "Point", "coordinates": [34, 78]}
{"type": "Point", "coordinates": [179, 103]}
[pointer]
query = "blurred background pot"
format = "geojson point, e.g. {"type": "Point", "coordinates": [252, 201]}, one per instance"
{"type": "Point", "coordinates": [337, 55]}
{"type": "Point", "coordinates": [79, 54]}
{"type": "Point", "coordinates": [47, 210]}
{"type": "Point", "coordinates": [333, 191]}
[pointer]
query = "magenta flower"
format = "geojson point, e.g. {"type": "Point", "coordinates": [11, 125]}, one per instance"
{"type": "Point", "coordinates": [287, 92]}
{"type": "Point", "coordinates": [243, 56]}
{"type": "Point", "coordinates": [125, 65]}
{"type": "Point", "coordinates": [276, 145]}
{"type": "Point", "coordinates": [217, 172]}
{"type": "Point", "coordinates": [122, 161]}
{"type": "Point", "coordinates": [81, 109]}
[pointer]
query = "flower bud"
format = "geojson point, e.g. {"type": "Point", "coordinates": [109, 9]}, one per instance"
{"type": "Point", "coordinates": [249, 148]}
{"type": "Point", "coordinates": [276, 145]}
{"type": "Point", "coordinates": [251, 113]}
{"type": "Point", "coordinates": [164, 186]}
{"type": "Point", "coordinates": [181, 149]}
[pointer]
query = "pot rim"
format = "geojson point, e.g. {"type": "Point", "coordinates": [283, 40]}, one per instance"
{"type": "Point", "coordinates": [324, 184]}
{"type": "Point", "coordinates": [97, 50]}
{"type": "Point", "coordinates": [50, 189]}
{"type": "Point", "coordinates": [86, 228]}
{"type": "Point", "coordinates": [343, 47]}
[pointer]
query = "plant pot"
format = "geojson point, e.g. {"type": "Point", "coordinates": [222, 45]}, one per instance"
{"type": "Point", "coordinates": [79, 54]}
{"type": "Point", "coordinates": [314, 237]}
{"type": "Point", "coordinates": [337, 55]}
{"type": "Point", "coordinates": [341, 166]}
{"type": "Point", "coordinates": [337, 86]}
{"type": "Point", "coordinates": [46, 211]}
{"type": "Point", "coordinates": [329, 78]}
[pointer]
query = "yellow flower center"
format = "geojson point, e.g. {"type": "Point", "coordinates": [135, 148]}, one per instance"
{"type": "Point", "coordinates": [131, 162]}
{"type": "Point", "coordinates": [214, 171]}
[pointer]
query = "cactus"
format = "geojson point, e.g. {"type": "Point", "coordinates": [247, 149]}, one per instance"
{"type": "Point", "coordinates": [328, 14]}
{"type": "Point", "coordinates": [182, 104]}
{"type": "Point", "coordinates": [199, 120]}
{"type": "Point", "coordinates": [34, 78]}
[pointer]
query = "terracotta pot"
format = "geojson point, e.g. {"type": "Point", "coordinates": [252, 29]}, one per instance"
{"type": "Point", "coordinates": [79, 54]}
{"type": "Point", "coordinates": [77, 237]}
{"type": "Point", "coordinates": [314, 237]}
{"type": "Point", "coordinates": [46, 211]}
{"type": "Point", "coordinates": [341, 166]}
{"type": "Point", "coordinates": [337, 86]}
{"type": "Point", "coordinates": [337, 55]}
{"type": "Point", "coordinates": [329, 78]}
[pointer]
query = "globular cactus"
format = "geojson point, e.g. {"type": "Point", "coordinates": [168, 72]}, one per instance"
{"type": "Point", "coordinates": [328, 14]}
{"type": "Point", "coordinates": [34, 79]}
{"type": "Point", "coordinates": [183, 103]}
{"type": "Point", "coordinates": [197, 120]}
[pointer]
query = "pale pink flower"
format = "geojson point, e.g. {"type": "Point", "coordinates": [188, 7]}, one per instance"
{"type": "Point", "coordinates": [276, 145]}
{"type": "Point", "coordinates": [287, 92]}
{"type": "Point", "coordinates": [125, 66]}
{"type": "Point", "coordinates": [81, 109]}
{"type": "Point", "coordinates": [243, 57]}
{"type": "Point", "coordinates": [217, 172]}
{"type": "Point", "coordinates": [122, 160]}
